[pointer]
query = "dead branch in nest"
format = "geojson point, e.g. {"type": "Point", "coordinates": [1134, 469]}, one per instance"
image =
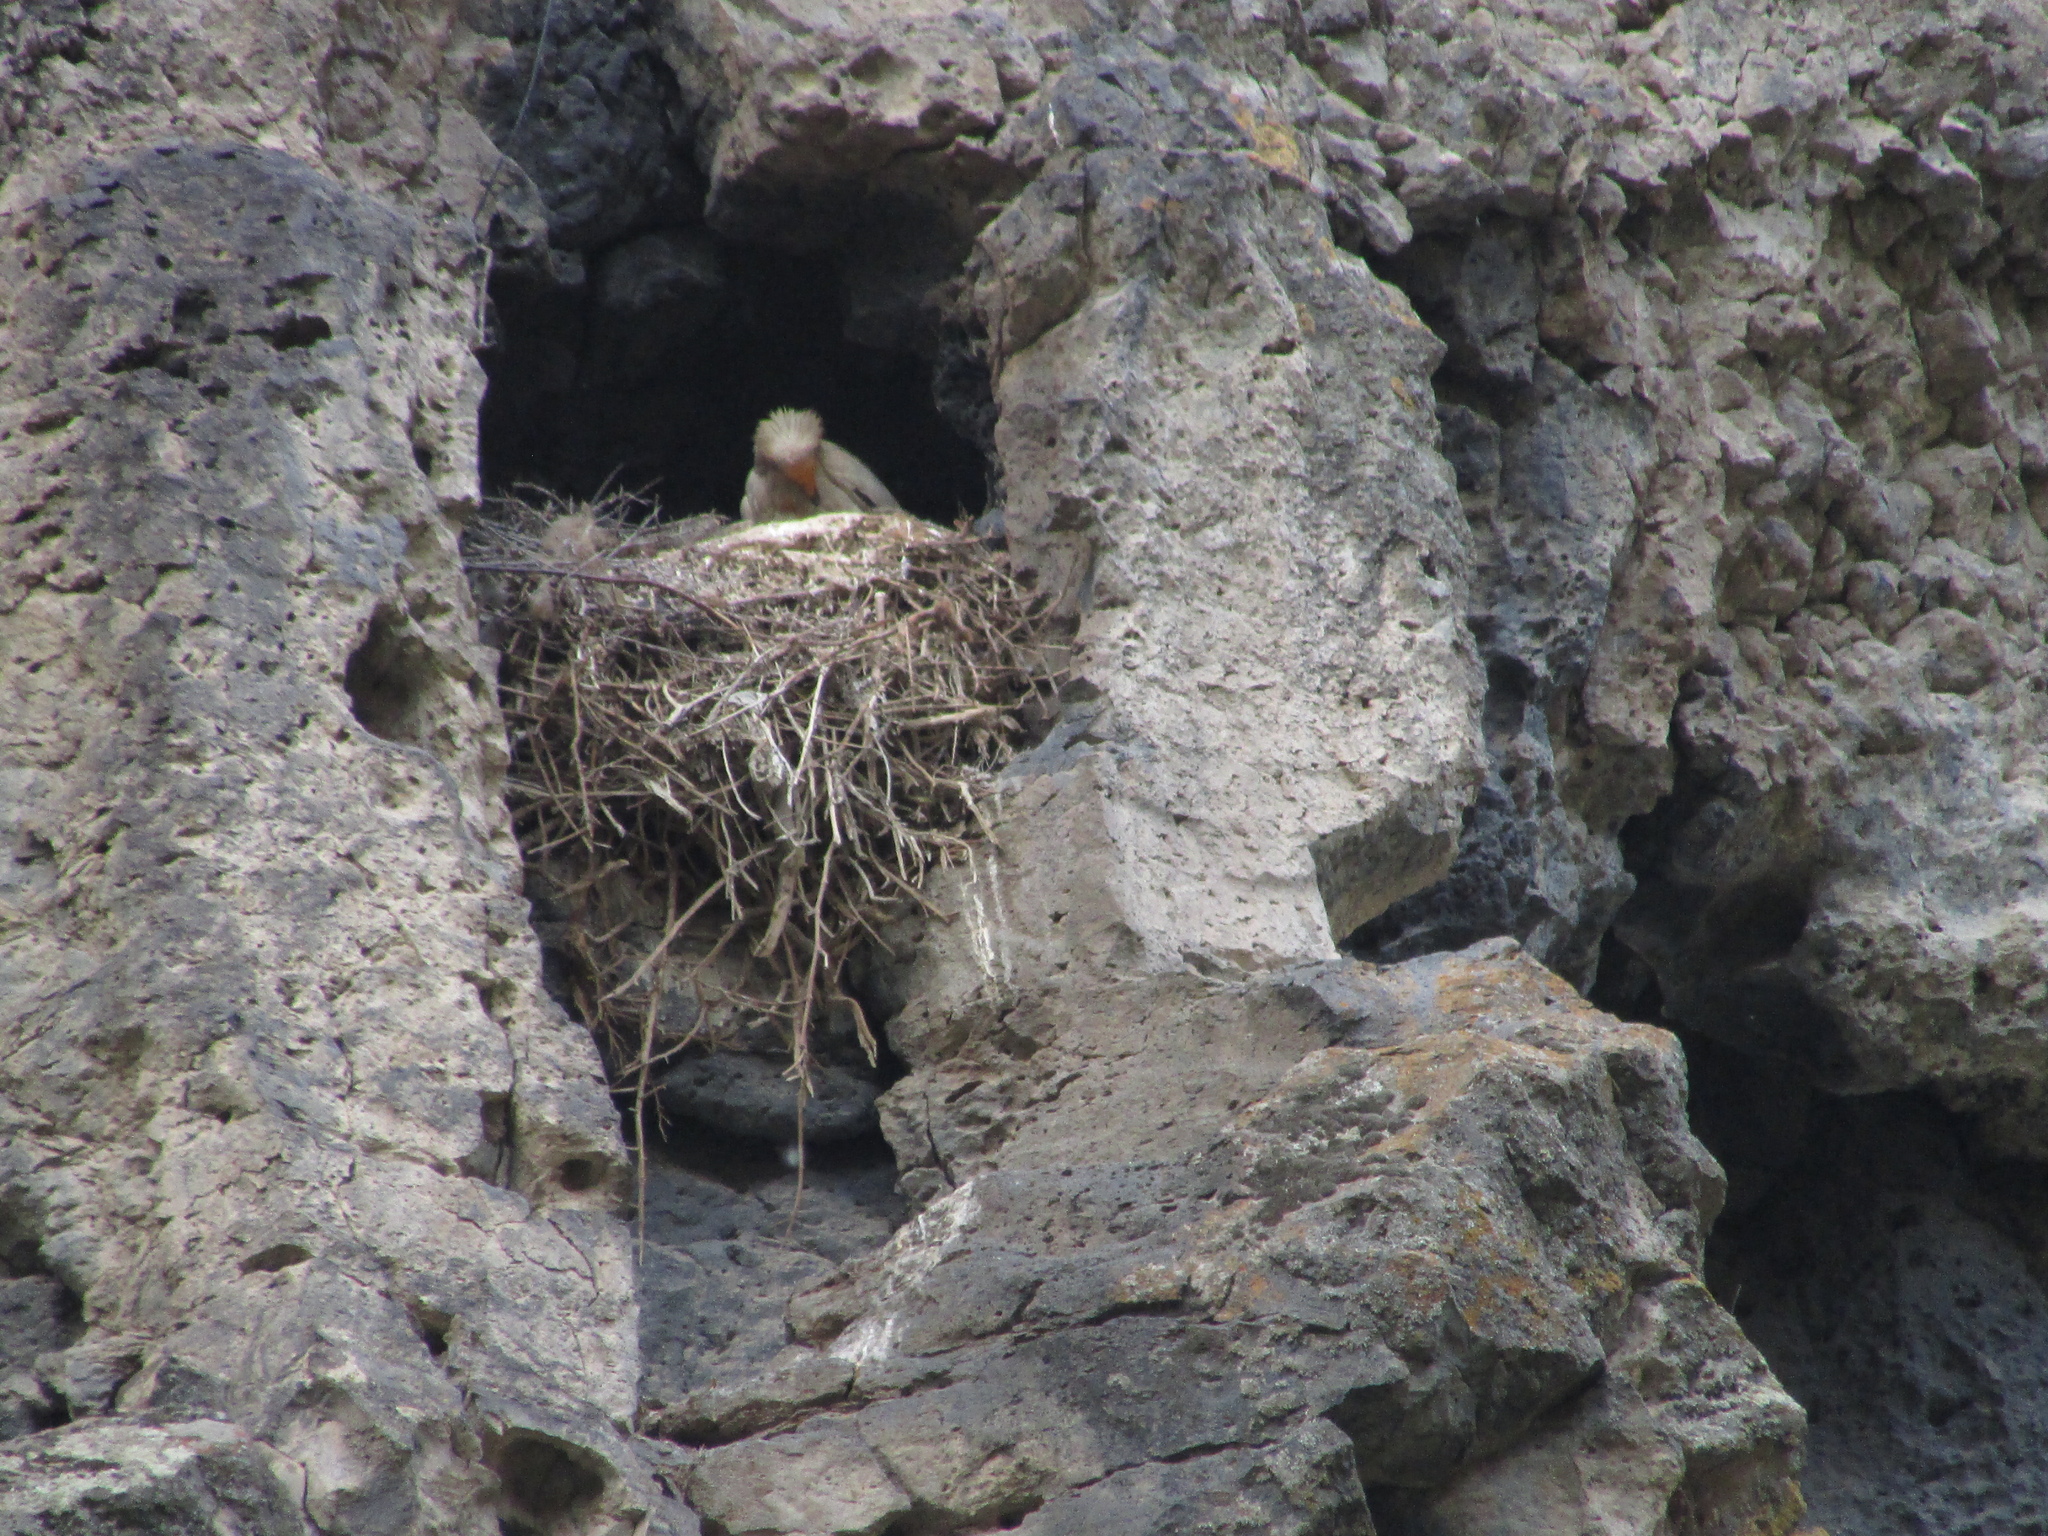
{"type": "Point", "coordinates": [782, 729]}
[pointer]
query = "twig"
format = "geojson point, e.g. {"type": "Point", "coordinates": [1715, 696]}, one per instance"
{"type": "Point", "coordinates": [608, 578]}
{"type": "Point", "coordinates": [879, 680]}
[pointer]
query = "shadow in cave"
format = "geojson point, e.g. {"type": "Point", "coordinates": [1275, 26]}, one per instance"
{"type": "Point", "coordinates": [727, 1242]}
{"type": "Point", "coordinates": [1895, 1283]}
{"type": "Point", "coordinates": [647, 366]}
{"type": "Point", "coordinates": [644, 365]}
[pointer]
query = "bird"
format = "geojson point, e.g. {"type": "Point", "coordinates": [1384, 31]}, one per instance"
{"type": "Point", "coordinates": [796, 473]}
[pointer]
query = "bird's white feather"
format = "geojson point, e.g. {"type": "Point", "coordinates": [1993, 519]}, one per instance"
{"type": "Point", "coordinates": [788, 436]}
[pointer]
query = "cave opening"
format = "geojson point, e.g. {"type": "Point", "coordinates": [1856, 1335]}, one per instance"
{"type": "Point", "coordinates": [1890, 1267]}
{"type": "Point", "coordinates": [1896, 1279]}
{"type": "Point", "coordinates": [645, 367]}
{"type": "Point", "coordinates": [634, 337]}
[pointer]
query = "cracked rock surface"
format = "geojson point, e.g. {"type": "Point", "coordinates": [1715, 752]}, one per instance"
{"type": "Point", "coordinates": [308, 1188]}
{"type": "Point", "coordinates": [1550, 503]}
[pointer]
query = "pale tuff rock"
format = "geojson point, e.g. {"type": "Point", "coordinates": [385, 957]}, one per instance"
{"type": "Point", "coordinates": [285, 1109]}
{"type": "Point", "coordinates": [1678, 467]}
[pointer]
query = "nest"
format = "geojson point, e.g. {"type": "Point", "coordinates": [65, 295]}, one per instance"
{"type": "Point", "coordinates": [771, 734]}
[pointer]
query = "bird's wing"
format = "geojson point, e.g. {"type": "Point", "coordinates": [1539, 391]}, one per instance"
{"type": "Point", "coordinates": [856, 487]}
{"type": "Point", "coordinates": [770, 498]}
{"type": "Point", "coordinates": [755, 501]}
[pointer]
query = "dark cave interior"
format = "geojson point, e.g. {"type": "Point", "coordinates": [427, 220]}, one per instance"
{"type": "Point", "coordinates": [1894, 1279]}
{"type": "Point", "coordinates": [1890, 1272]}
{"type": "Point", "coordinates": [632, 346]}
{"type": "Point", "coordinates": [646, 366]}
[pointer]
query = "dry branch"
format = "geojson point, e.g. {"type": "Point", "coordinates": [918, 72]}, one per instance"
{"type": "Point", "coordinates": [782, 729]}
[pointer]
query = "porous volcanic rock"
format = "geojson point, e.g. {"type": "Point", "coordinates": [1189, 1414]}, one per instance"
{"type": "Point", "coordinates": [1896, 1284]}
{"type": "Point", "coordinates": [1137, 1290]}
{"type": "Point", "coordinates": [1570, 477]}
{"type": "Point", "coordinates": [1743, 386]}
{"type": "Point", "coordinates": [329, 1182]}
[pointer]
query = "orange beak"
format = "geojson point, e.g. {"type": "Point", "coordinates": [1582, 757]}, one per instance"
{"type": "Point", "coordinates": [805, 473]}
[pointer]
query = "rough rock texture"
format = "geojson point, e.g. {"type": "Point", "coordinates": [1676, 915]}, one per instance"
{"type": "Point", "coordinates": [200, 1476]}
{"type": "Point", "coordinates": [729, 1241]}
{"type": "Point", "coordinates": [325, 1178]}
{"type": "Point", "coordinates": [1575, 473]}
{"type": "Point", "coordinates": [1776, 518]}
{"type": "Point", "coordinates": [1803, 304]}
{"type": "Point", "coordinates": [1202, 403]}
{"type": "Point", "coordinates": [1141, 1292]}
{"type": "Point", "coordinates": [1898, 1288]}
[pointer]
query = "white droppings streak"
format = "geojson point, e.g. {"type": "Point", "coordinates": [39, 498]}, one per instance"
{"type": "Point", "coordinates": [912, 1254]}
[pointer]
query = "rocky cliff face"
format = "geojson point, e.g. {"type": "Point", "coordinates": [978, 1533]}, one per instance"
{"type": "Point", "coordinates": [1551, 504]}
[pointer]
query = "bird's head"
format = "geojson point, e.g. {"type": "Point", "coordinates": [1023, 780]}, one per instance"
{"type": "Point", "coordinates": [788, 442]}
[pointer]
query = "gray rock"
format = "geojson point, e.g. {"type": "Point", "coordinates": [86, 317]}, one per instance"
{"type": "Point", "coordinates": [795, 1383]}
{"type": "Point", "coordinates": [798, 117]}
{"type": "Point", "coordinates": [1895, 1287]}
{"type": "Point", "coordinates": [37, 1315]}
{"type": "Point", "coordinates": [294, 1123]}
{"type": "Point", "coordinates": [2021, 154]}
{"type": "Point", "coordinates": [310, 1215]}
{"type": "Point", "coordinates": [26, 1404]}
{"type": "Point", "coordinates": [191, 1477]}
{"type": "Point", "coordinates": [1958, 347]}
{"type": "Point", "coordinates": [1152, 1287]}
{"type": "Point", "coordinates": [1352, 62]}
{"type": "Point", "coordinates": [1160, 417]}
{"type": "Point", "coordinates": [1770, 570]}
{"type": "Point", "coordinates": [1302, 1485]}
{"type": "Point", "coordinates": [718, 1266]}
{"type": "Point", "coordinates": [597, 137]}
{"type": "Point", "coordinates": [1888, 520]}
{"type": "Point", "coordinates": [1362, 212]}
{"type": "Point", "coordinates": [1875, 594]}
{"type": "Point", "coordinates": [1551, 494]}
{"type": "Point", "coordinates": [754, 1096]}
{"type": "Point", "coordinates": [1440, 188]}
{"type": "Point", "coordinates": [1495, 300]}
{"type": "Point", "coordinates": [1956, 653]}
{"type": "Point", "coordinates": [821, 1481]}
{"type": "Point", "coordinates": [1019, 69]}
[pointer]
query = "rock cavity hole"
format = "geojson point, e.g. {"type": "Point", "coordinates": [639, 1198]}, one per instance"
{"type": "Point", "coordinates": [544, 1480]}
{"type": "Point", "coordinates": [647, 365]}
{"type": "Point", "coordinates": [433, 1326]}
{"type": "Point", "coordinates": [390, 678]}
{"type": "Point", "coordinates": [279, 1256]}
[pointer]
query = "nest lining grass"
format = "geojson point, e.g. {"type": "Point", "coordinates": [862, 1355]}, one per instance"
{"type": "Point", "coordinates": [780, 728]}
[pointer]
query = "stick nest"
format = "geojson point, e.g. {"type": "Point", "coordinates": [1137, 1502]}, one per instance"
{"type": "Point", "coordinates": [772, 733]}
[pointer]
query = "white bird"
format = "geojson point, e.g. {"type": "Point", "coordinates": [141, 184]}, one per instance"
{"type": "Point", "coordinates": [796, 472]}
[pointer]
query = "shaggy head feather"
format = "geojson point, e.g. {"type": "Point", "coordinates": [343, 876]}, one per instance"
{"type": "Point", "coordinates": [786, 437]}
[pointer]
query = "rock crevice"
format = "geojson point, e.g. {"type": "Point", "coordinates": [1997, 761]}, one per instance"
{"type": "Point", "coordinates": [1549, 504]}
